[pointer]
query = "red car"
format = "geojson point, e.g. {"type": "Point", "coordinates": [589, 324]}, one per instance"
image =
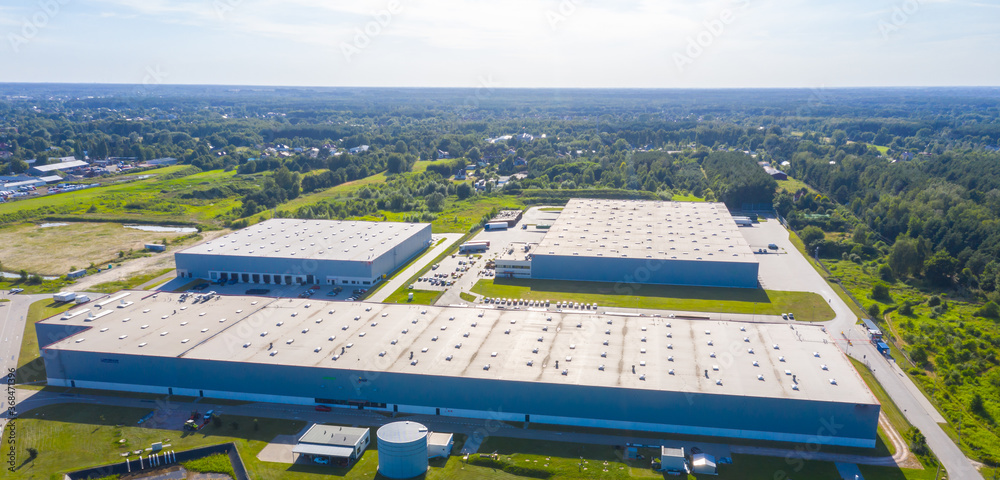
{"type": "Point", "coordinates": [323, 408]}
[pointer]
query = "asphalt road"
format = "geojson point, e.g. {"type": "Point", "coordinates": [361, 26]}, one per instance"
{"type": "Point", "coordinates": [12, 316]}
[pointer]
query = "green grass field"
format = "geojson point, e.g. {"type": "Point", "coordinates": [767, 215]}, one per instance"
{"type": "Point", "coordinates": [149, 200]}
{"type": "Point", "coordinates": [420, 297]}
{"type": "Point", "coordinates": [806, 306]}
{"type": "Point", "coordinates": [792, 185]}
{"type": "Point", "coordinates": [128, 283]}
{"type": "Point", "coordinates": [55, 431]}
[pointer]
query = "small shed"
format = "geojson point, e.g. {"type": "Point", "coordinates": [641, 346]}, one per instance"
{"type": "Point", "coordinates": [440, 444]}
{"type": "Point", "coordinates": [672, 460]}
{"type": "Point", "coordinates": [76, 273]}
{"type": "Point", "coordinates": [703, 464]}
{"type": "Point", "coordinates": [332, 444]}
{"type": "Point", "coordinates": [156, 247]}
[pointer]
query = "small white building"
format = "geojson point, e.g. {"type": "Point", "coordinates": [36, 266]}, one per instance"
{"type": "Point", "coordinates": [440, 444]}
{"type": "Point", "coordinates": [673, 461]}
{"type": "Point", "coordinates": [333, 444]}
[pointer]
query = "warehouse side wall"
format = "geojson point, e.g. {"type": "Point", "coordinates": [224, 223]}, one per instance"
{"type": "Point", "coordinates": [642, 270]}
{"type": "Point", "coordinates": [197, 265]}
{"type": "Point", "coordinates": [768, 418]}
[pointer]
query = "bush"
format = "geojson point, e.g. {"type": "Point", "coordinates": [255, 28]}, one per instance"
{"type": "Point", "coordinates": [508, 467]}
{"type": "Point", "coordinates": [990, 310]}
{"type": "Point", "coordinates": [885, 273]}
{"type": "Point", "coordinates": [934, 301]}
{"type": "Point", "coordinates": [874, 310]}
{"type": "Point", "coordinates": [880, 291]}
{"type": "Point", "coordinates": [217, 463]}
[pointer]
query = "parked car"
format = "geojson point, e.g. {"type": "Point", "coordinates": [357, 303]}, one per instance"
{"type": "Point", "coordinates": [772, 246]}
{"type": "Point", "coordinates": [323, 408]}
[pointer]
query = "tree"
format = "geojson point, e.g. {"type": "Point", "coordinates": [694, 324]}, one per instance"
{"type": "Point", "coordinates": [396, 163]}
{"type": "Point", "coordinates": [401, 147]}
{"type": "Point", "coordinates": [474, 154]}
{"type": "Point", "coordinates": [874, 310]}
{"type": "Point", "coordinates": [811, 234]}
{"type": "Point", "coordinates": [885, 273]}
{"type": "Point", "coordinates": [939, 269]}
{"type": "Point", "coordinates": [880, 291]}
{"type": "Point", "coordinates": [24, 275]}
{"type": "Point", "coordinates": [463, 191]}
{"type": "Point", "coordinates": [435, 201]}
{"type": "Point", "coordinates": [904, 259]}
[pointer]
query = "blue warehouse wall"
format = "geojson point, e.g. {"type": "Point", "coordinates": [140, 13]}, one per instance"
{"type": "Point", "coordinates": [199, 265]}
{"type": "Point", "coordinates": [642, 270]}
{"type": "Point", "coordinates": [680, 412]}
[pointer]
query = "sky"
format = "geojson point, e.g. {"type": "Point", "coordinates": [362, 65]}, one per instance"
{"type": "Point", "coordinates": [509, 44]}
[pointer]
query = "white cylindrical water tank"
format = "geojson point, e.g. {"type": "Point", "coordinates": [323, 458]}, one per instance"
{"type": "Point", "coordinates": [402, 449]}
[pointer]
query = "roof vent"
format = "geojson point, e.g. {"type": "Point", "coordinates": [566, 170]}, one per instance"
{"type": "Point", "coordinates": [781, 359]}
{"type": "Point", "coordinates": [760, 377]}
{"type": "Point", "coordinates": [671, 371]}
{"type": "Point", "coordinates": [833, 381]}
{"type": "Point", "coordinates": [824, 367]}
{"type": "Point", "coordinates": [755, 363]}
{"type": "Point", "coordinates": [718, 382]}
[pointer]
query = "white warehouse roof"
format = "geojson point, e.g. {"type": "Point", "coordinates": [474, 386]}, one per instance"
{"type": "Point", "coordinates": [646, 229]}
{"type": "Point", "coordinates": [311, 239]}
{"type": "Point", "coordinates": [729, 358]}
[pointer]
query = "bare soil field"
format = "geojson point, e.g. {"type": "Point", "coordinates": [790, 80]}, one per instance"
{"type": "Point", "coordinates": [53, 250]}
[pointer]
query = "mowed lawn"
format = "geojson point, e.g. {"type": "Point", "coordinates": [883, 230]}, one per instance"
{"type": "Point", "coordinates": [807, 306]}
{"type": "Point", "coordinates": [53, 250]}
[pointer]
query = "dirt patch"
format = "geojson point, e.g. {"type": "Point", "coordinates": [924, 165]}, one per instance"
{"type": "Point", "coordinates": [53, 250]}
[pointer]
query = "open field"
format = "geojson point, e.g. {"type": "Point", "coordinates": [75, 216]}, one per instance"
{"type": "Point", "coordinates": [686, 198]}
{"type": "Point", "coordinates": [30, 367]}
{"type": "Point", "coordinates": [159, 199]}
{"type": "Point", "coordinates": [420, 297]}
{"type": "Point", "coordinates": [55, 432]}
{"type": "Point", "coordinates": [129, 283]}
{"type": "Point", "coordinates": [55, 250]}
{"type": "Point", "coordinates": [792, 185]}
{"type": "Point", "coordinates": [806, 306]}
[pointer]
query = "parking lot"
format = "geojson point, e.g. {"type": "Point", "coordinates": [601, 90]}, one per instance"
{"type": "Point", "coordinates": [784, 269]}
{"type": "Point", "coordinates": [499, 240]}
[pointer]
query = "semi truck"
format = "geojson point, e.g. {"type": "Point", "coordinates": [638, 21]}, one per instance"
{"type": "Point", "coordinates": [496, 226]}
{"type": "Point", "coordinates": [875, 336]}
{"type": "Point", "coordinates": [64, 297]}
{"type": "Point", "coordinates": [470, 247]}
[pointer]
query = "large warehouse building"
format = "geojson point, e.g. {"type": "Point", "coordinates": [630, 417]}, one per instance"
{"type": "Point", "coordinates": [753, 381]}
{"type": "Point", "coordinates": [638, 241]}
{"type": "Point", "coordinates": [286, 251]}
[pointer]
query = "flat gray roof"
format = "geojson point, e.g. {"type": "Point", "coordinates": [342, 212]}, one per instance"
{"type": "Point", "coordinates": [311, 239]}
{"type": "Point", "coordinates": [751, 359]}
{"type": "Point", "coordinates": [335, 435]}
{"type": "Point", "coordinates": [646, 229]}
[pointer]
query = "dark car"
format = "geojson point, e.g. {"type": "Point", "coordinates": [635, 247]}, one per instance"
{"type": "Point", "coordinates": [323, 408]}
{"type": "Point", "coordinates": [772, 246]}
